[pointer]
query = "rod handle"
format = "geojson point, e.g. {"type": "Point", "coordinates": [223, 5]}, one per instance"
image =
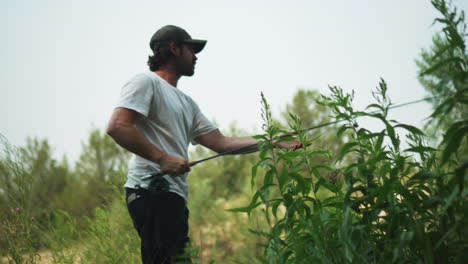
{"type": "Point", "coordinates": [159, 174]}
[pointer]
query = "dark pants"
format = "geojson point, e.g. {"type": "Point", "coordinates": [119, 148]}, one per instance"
{"type": "Point", "coordinates": [161, 219]}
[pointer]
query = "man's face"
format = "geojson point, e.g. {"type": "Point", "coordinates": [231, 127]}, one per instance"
{"type": "Point", "coordinates": [185, 60]}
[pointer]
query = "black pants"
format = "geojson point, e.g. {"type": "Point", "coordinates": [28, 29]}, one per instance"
{"type": "Point", "coordinates": [161, 219]}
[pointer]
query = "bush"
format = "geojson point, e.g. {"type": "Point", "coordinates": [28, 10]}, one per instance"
{"type": "Point", "coordinates": [111, 237]}
{"type": "Point", "coordinates": [384, 204]}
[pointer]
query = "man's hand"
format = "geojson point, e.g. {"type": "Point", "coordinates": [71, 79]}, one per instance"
{"type": "Point", "coordinates": [292, 145]}
{"type": "Point", "coordinates": [173, 166]}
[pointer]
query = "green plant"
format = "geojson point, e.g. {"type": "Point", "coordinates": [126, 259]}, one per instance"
{"type": "Point", "coordinates": [443, 72]}
{"type": "Point", "coordinates": [373, 202]}
{"type": "Point", "coordinates": [111, 237]}
{"type": "Point", "coordinates": [63, 236]}
{"type": "Point", "coordinates": [385, 206]}
{"type": "Point", "coordinates": [19, 227]}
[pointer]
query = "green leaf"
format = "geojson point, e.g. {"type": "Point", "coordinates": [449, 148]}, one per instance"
{"type": "Point", "coordinates": [392, 135]}
{"type": "Point", "coordinates": [360, 113]}
{"type": "Point", "coordinates": [263, 153]}
{"type": "Point", "coordinates": [341, 130]}
{"type": "Point", "coordinates": [264, 192]}
{"type": "Point", "coordinates": [307, 210]}
{"type": "Point", "coordinates": [258, 137]}
{"type": "Point", "coordinates": [453, 128]}
{"type": "Point", "coordinates": [378, 143]}
{"type": "Point", "coordinates": [453, 143]}
{"type": "Point", "coordinates": [315, 172]}
{"type": "Point", "coordinates": [291, 154]}
{"type": "Point", "coordinates": [283, 177]}
{"type": "Point", "coordinates": [324, 182]}
{"type": "Point", "coordinates": [331, 187]}
{"type": "Point", "coordinates": [375, 106]}
{"type": "Point", "coordinates": [286, 255]}
{"type": "Point", "coordinates": [275, 204]}
{"type": "Point", "coordinates": [422, 175]}
{"type": "Point", "coordinates": [443, 108]}
{"type": "Point", "coordinates": [346, 149]}
{"type": "Point", "coordinates": [288, 199]}
{"type": "Point", "coordinates": [420, 149]}
{"type": "Point", "coordinates": [303, 184]}
{"type": "Point", "coordinates": [440, 64]}
{"type": "Point", "coordinates": [318, 184]}
{"type": "Point", "coordinates": [253, 204]}
{"type": "Point", "coordinates": [269, 177]}
{"type": "Point", "coordinates": [369, 135]}
{"type": "Point", "coordinates": [364, 133]}
{"type": "Point", "coordinates": [254, 173]}
{"type": "Point", "coordinates": [411, 129]}
{"type": "Point", "coordinates": [448, 201]}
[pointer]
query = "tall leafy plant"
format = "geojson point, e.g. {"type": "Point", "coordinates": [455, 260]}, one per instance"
{"type": "Point", "coordinates": [385, 204]}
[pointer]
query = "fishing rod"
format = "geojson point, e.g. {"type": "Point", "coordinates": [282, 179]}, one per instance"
{"type": "Point", "coordinates": [249, 150]}
{"type": "Point", "coordinates": [253, 147]}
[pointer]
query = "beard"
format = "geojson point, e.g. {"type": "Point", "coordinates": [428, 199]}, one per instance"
{"type": "Point", "coordinates": [189, 71]}
{"type": "Point", "coordinates": [185, 64]}
{"type": "Point", "coordinates": [186, 69]}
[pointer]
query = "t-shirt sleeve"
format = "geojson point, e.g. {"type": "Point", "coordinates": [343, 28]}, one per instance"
{"type": "Point", "coordinates": [201, 125]}
{"type": "Point", "coordinates": [137, 94]}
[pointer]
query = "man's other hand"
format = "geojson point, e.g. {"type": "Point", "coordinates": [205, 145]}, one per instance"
{"type": "Point", "coordinates": [292, 145]}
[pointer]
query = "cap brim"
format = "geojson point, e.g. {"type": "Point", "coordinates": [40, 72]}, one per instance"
{"type": "Point", "coordinates": [197, 44]}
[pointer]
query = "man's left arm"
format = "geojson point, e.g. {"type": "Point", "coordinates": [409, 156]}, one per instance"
{"type": "Point", "coordinates": [219, 143]}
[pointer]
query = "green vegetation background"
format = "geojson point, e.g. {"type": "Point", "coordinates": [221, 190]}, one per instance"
{"type": "Point", "coordinates": [351, 197]}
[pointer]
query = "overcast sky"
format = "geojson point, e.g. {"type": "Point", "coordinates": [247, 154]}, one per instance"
{"type": "Point", "coordinates": [64, 62]}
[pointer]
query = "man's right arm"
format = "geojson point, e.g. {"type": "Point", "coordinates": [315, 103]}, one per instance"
{"type": "Point", "coordinates": [122, 129]}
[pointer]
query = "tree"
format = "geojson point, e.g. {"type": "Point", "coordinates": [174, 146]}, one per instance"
{"type": "Point", "coordinates": [215, 186]}
{"type": "Point", "coordinates": [31, 178]}
{"type": "Point", "coordinates": [441, 79]}
{"type": "Point", "coordinates": [31, 181]}
{"type": "Point", "coordinates": [102, 166]}
{"type": "Point", "coordinates": [443, 72]}
{"type": "Point", "coordinates": [101, 157]}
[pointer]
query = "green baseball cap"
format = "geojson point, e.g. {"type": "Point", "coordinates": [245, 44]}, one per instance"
{"type": "Point", "coordinates": [175, 34]}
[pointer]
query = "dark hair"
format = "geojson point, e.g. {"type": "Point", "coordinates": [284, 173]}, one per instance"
{"type": "Point", "coordinates": [162, 54]}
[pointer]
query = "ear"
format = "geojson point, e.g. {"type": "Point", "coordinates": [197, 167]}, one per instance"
{"type": "Point", "coordinates": [174, 48]}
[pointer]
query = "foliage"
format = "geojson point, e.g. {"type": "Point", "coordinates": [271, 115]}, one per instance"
{"type": "Point", "coordinates": [48, 191]}
{"type": "Point", "coordinates": [216, 185]}
{"type": "Point", "coordinates": [101, 167]}
{"type": "Point", "coordinates": [18, 233]}
{"type": "Point", "coordinates": [444, 72]}
{"type": "Point", "coordinates": [24, 172]}
{"type": "Point", "coordinates": [18, 186]}
{"type": "Point", "coordinates": [305, 107]}
{"type": "Point", "coordinates": [443, 69]}
{"type": "Point", "coordinates": [101, 158]}
{"type": "Point", "coordinates": [111, 237]}
{"type": "Point", "coordinates": [63, 236]}
{"type": "Point", "coordinates": [354, 196]}
{"type": "Point", "coordinates": [387, 204]}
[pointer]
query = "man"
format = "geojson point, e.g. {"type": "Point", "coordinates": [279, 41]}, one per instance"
{"type": "Point", "coordinates": [157, 122]}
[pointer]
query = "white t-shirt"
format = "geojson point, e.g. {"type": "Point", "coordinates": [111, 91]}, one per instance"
{"type": "Point", "coordinates": [172, 120]}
